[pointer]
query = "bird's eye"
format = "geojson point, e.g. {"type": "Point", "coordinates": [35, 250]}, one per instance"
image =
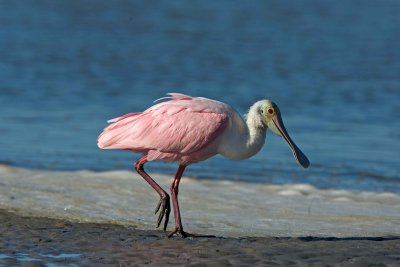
{"type": "Point", "coordinates": [270, 111]}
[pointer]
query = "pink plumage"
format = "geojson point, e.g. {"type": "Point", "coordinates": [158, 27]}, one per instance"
{"type": "Point", "coordinates": [175, 130]}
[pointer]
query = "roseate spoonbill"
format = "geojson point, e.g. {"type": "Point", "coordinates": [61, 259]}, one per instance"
{"type": "Point", "coordinates": [191, 129]}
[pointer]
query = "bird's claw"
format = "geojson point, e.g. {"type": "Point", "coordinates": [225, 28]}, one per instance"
{"type": "Point", "coordinates": [165, 206]}
{"type": "Point", "coordinates": [178, 232]}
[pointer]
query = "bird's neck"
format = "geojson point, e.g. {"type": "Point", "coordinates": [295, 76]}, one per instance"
{"type": "Point", "coordinates": [256, 131]}
{"type": "Point", "coordinates": [245, 138]}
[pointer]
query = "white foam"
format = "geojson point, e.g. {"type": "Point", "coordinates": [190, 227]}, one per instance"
{"type": "Point", "coordinates": [209, 207]}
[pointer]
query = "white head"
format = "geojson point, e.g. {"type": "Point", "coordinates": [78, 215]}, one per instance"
{"type": "Point", "coordinates": [270, 117]}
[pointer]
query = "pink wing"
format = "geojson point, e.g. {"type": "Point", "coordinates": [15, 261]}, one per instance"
{"type": "Point", "coordinates": [182, 125]}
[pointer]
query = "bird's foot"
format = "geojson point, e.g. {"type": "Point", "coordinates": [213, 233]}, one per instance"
{"type": "Point", "coordinates": [165, 206]}
{"type": "Point", "coordinates": [179, 232]}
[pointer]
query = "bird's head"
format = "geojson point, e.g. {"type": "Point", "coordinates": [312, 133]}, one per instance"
{"type": "Point", "coordinates": [271, 118]}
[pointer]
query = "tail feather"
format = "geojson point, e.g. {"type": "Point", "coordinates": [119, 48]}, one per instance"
{"type": "Point", "coordinates": [123, 117]}
{"type": "Point", "coordinates": [113, 131]}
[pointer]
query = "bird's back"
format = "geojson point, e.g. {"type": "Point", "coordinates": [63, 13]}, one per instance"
{"type": "Point", "coordinates": [175, 130]}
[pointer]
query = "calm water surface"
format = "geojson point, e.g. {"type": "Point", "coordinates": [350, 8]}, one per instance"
{"type": "Point", "coordinates": [333, 67]}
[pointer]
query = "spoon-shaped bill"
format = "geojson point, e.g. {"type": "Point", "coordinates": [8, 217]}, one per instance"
{"type": "Point", "coordinates": [298, 155]}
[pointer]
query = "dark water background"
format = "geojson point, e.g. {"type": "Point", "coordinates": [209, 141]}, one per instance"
{"type": "Point", "coordinates": [333, 67]}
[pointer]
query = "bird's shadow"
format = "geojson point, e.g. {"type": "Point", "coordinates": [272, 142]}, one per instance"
{"type": "Point", "coordinates": [306, 238]}
{"type": "Point", "coordinates": [194, 236]}
{"type": "Point", "coordinates": [352, 238]}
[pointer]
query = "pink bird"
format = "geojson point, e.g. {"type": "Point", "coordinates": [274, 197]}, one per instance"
{"type": "Point", "coordinates": [188, 130]}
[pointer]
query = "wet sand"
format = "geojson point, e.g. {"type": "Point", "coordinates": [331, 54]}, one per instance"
{"type": "Point", "coordinates": [38, 241]}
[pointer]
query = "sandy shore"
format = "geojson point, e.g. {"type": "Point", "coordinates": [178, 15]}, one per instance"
{"type": "Point", "coordinates": [220, 208]}
{"type": "Point", "coordinates": [33, 241]}
{"type": "Point", "coordinates": [85, 218]}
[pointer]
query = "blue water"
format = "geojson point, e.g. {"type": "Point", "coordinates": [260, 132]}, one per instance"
{"type": "Point", "coordinates": [46, 260]}
{"type": "Point", "coordinates": [333, 67]}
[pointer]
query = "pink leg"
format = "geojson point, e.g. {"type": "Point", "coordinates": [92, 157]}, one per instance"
{"type": "Point", "coordinates": [164, 197]}
{"type": "Point", "coordinates": [174, 193]}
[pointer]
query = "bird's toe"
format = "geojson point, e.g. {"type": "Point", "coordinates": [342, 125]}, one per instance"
{"type": "Point", "coordinates": [164, 207]}
{"type": "Point", "coordinates": [179, 232]}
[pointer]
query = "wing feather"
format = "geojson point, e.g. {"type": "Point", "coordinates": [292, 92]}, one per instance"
{"type": "Point", "coordinates": [182, 125]}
